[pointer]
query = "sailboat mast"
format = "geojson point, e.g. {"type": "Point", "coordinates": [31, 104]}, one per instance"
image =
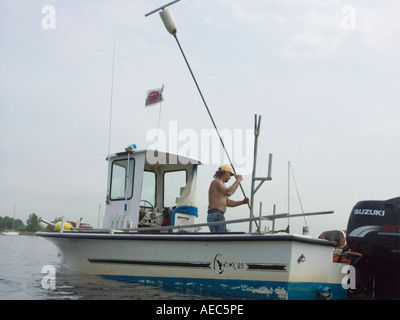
{"type": "Point", "coordinates": [13, 219]}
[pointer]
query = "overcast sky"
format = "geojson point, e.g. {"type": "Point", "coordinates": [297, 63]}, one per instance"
{"type": "Point", "coordinates": [324, 75]}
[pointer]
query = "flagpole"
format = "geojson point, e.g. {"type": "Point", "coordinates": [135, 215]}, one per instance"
{"type": "Point", "coordinates": [159, 117]}
{"type": "Point", "coordinates": [158, 126]}
{"type": "Point", "coordinates": [153, 97]}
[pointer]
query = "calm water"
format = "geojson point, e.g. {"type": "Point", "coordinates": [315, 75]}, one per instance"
{"type": "Point", "coordinates": [23, 257]}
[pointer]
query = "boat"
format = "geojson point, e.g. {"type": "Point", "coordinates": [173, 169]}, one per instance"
{"type": "Point", "coordinates": [151, 234]}
{"type": "Point", "coordinates": [137, 245]}
{"type": "Point", "coordinates": [11, 232]}
{"type": "Point", "coordinates": [145, 189]}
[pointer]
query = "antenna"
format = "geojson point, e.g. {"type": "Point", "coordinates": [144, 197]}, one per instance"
{"type": "Point", "coordinates": [111, 103]}
{"type": "Point", "coordinates": [110, 125]}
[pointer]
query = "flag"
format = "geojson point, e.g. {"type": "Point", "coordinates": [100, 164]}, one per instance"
{"type": "Point", "coordinates": [154, 96]}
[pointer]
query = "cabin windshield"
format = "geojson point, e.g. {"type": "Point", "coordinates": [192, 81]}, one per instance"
{"type": "Point", "coordinates": [122, 179]}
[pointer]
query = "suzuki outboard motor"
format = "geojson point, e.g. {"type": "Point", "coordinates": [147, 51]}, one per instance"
{"type": "Point", "coordinates": [373, 230]}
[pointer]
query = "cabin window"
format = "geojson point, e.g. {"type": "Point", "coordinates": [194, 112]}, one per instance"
{"type": "Point", "coordinates": [173, 182]}
{"type": "Point", "coordinates": [122, 179]}
{"type": "Point", "coordinates": [148, 189]}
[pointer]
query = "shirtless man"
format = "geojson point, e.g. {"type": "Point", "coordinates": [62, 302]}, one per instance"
{"type": "Point", "coordinates": [218, 197]}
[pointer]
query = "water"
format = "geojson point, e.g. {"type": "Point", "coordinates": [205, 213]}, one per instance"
{"type": "Point", "coordinates": [23, 257]}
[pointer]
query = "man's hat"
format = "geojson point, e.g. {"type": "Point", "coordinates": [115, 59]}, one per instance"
{"type": "Point", "coordinates": [227, 169]}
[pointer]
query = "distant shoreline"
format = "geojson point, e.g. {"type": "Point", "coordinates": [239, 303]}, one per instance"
{"type": "Point", "coordinates": [26, 233]}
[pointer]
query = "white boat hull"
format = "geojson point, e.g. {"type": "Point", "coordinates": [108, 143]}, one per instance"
{"type": "Point", "coordinates": [257, 266]}
{"type": "Point", "coordinates": [10, 233]}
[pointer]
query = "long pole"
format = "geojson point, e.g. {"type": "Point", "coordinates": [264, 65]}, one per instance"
{"type": "Point", "coordinates": [170, 25]}
{"type": "Point", "coordinates": [268, 217]}
{"type": "Point", "coordinates": [208, 111]}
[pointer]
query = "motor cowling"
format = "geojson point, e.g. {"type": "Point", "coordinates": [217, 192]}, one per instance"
{"type": "Point", "coordinates": [373, 230]}
{"type": "Point", "coordinates": [368, 227]}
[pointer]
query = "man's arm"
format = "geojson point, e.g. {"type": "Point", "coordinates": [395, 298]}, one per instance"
{"type": "Point", "coordinates": [231, 203]}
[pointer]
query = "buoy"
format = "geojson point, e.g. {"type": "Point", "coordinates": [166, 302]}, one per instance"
{"type": "Point", "coordinates": [67, 226]}
{"type": "Point", "coordinates": [169, 21]}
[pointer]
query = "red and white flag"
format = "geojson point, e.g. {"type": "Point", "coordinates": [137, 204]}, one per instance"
{"type": "Point", "coordinates": [154, 96]}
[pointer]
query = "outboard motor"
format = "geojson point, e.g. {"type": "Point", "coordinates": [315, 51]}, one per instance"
{"type": "Point", "coordinates": [373, 231]}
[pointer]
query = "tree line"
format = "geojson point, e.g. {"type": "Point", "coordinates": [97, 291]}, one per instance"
{"type": "Point", "coordinates": [32, 224]}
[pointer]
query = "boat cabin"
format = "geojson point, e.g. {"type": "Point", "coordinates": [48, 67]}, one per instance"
{"type": "Point", "coordinates": [150, 188]}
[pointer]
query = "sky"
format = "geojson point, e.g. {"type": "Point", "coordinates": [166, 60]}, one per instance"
{"type": "Point", "coordinates": [324, 75]}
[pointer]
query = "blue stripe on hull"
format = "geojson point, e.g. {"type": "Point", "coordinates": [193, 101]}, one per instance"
{"type": "Point", "coordinates": [269, 290]}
